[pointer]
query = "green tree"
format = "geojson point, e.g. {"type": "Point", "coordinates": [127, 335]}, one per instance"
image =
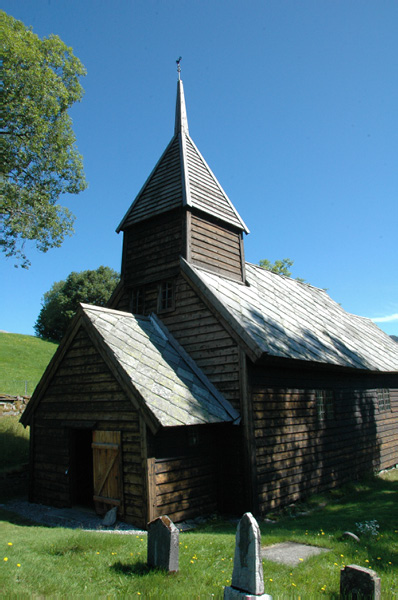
{"type": "Point", "coordinates": [279, 266]}
{"type": "Point", "coordinates": [39, 158]}
{"type": "Point", "coordinates": [61, 301]}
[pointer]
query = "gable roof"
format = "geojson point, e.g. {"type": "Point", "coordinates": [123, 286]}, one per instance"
{"type": "Point", "coordinates": [182, 177]}
{"type": "Point", "coordinates": [152, 367]}
{"type": "Point", "coordinates": [277, 316]}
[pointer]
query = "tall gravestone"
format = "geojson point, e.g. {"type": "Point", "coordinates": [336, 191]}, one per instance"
{"type": "Point", "coordinates": [358, 583]}
{"type": "Point", "coordinates": [247, 577]}
{"type": "Point", "coordinates": [163, 549]}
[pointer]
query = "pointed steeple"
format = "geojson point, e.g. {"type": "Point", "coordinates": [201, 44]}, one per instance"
{"type": "Point", "coordinates": [181, 122]}
{"type": "Point", "coordinates": [182, 178]}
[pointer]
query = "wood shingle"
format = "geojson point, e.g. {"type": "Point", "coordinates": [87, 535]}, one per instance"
{"type": "Point", "coordinates": [182, 178]}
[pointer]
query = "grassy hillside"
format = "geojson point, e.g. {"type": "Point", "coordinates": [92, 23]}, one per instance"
{"type": "Point", "coordinates": [23, 358]}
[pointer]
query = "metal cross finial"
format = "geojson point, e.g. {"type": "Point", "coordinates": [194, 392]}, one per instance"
{"type": "Point", "coordinates": [179, 67]}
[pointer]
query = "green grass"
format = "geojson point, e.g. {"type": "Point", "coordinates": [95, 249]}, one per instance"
{"type": "Point", "coordinates": [65, 563]}
{"type": "Point", "coordinates": [23, 358]}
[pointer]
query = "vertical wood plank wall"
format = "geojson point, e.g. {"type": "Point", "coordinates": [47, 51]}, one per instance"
{"type": "Point", "coordinates": [84, 394]}
{"type": "Point", "coordinates": [297, 454]}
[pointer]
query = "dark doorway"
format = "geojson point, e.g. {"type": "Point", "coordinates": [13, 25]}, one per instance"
{"type": "Point", "coordinates": [82, 468]}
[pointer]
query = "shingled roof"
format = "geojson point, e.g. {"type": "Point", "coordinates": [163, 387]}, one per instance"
{"type": "Point", "coordinates": [281, 317]}
{"type": "Point", "coordinates": [182, 178]}
{"type": "Point", "coordinates": [152, 365]}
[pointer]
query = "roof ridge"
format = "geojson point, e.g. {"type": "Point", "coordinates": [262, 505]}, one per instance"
{"type": "Point", "coordinates": [306, 283]}
{"type": "Point", "coordinates": [115, 311]}
{"type": "Point", "coordinates": [218, 184]}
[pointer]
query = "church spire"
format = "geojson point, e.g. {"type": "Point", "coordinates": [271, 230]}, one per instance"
{"type": "Point", "coordinates": [181, 121]}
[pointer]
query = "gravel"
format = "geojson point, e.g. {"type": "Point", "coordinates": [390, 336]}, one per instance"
{"type": "Point", "coordinates": [80, 518]}
{"type": "Point", "coordinates": [71, 518]}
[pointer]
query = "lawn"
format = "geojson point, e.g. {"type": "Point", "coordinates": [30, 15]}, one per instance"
{"type": "Point", "coordinates": [43, 562]}
{"type": "Point", "coordinates": [23, 360]}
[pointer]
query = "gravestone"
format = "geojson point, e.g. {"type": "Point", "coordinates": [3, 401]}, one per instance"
{"type": "Point", "coordinates": [358, 583]}
{"type": "Point", "coordinates": [247, 576]}
{"type": "Point", "coordinates": [163, 544]}
{"type": "Point", "coordinates": [110, 517]}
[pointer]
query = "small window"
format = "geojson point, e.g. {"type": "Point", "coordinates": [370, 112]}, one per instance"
{"type": "Point", "coordinates": [166, 296]}
{"type": "Point", "coordinates": [137, 304]}
{"type": "Point", "coordinates": [383, 400]}
{"type": "Point", "coordinates": [324, 404]}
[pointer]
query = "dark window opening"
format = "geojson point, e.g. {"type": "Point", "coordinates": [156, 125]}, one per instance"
{"type": "Point", "coordinates": [166, 296]}
{"type": "Point", "coordinates": [137, 303]}
{"type": "Point", "coordinates": [324, 404]}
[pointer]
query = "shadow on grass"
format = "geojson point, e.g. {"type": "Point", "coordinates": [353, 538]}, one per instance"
{"type": "Point", "coordinates": [327, 517]}
{"type": "Point", "coordinates": [138, 569]}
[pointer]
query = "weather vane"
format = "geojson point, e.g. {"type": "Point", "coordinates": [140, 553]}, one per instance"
{"type": "Point", "coordinates": [179, 67]}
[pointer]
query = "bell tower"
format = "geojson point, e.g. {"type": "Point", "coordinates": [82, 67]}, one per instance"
{"type": "Point", "coordinates": [181, 211]}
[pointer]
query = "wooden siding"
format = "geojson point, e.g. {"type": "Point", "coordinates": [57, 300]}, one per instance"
{"type": "Point", "coordinates": [153, 249]}
{"type": "Point", "coordinates": [215, 247]}
{"type": "Point", "coordinates": [201, 335]}
{"type": "Point", "coordinates": [83, 394]}
{"type": "Point", "coordinates": [298, 454]}
{"type": "Point", "coordinates": [186, 487]}
{"type": "Point", "coordinates": [188, 467]}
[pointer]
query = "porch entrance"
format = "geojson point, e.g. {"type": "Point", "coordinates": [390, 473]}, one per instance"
{"type": "Point", "coordinates": [82, 468]}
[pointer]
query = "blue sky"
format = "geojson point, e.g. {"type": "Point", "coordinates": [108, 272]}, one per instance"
{"type": "Point", "coordinates": [293, 105]}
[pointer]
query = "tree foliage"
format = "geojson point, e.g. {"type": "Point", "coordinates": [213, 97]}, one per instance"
{"type": "Point", "coordinates": [279, 266]}
{"type": "Point", "coordinates": [282, 267]}
{"type": "Point", "coordinates": [39, 158]}
{"type": "Point", "coordinates": [61, 301]}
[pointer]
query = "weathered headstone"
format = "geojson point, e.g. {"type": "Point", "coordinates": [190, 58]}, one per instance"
{"type": "Point", "coordinates": [247, 577]}
{"type": "Point", "coordinates": [351, 536]}
{"type": "Point", "coordinates": [358, 583]}
{"type": "Point", "coordinates": [110, 517]}
{"type": "Point", "coordinates": [163, 546]}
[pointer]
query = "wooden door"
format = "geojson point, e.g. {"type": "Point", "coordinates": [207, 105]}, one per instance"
{"type": "Point", "coordinates": [107, 479]}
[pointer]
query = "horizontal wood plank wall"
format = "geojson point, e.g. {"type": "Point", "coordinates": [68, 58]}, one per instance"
{"type": "Point", "coordinates": [153, 249]}
{"type": "Point", "coordinates": [216, 248]}
{"type": "Point", "coordinates": [84, 394]}
{"type": "Point", "coordinates": [121, 302]}
{"type": "Point", "coordinates": [186, 487]}
{"type": "Point", "coordinates": [206, 341]}
{"type": "Point", "coordinates": [298, 453]}
{"type": "Point", "coordinates": [185, 465]}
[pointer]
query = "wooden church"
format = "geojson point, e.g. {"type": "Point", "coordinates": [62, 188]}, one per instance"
{"type": "Point", "coordinates": [208, 384]}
